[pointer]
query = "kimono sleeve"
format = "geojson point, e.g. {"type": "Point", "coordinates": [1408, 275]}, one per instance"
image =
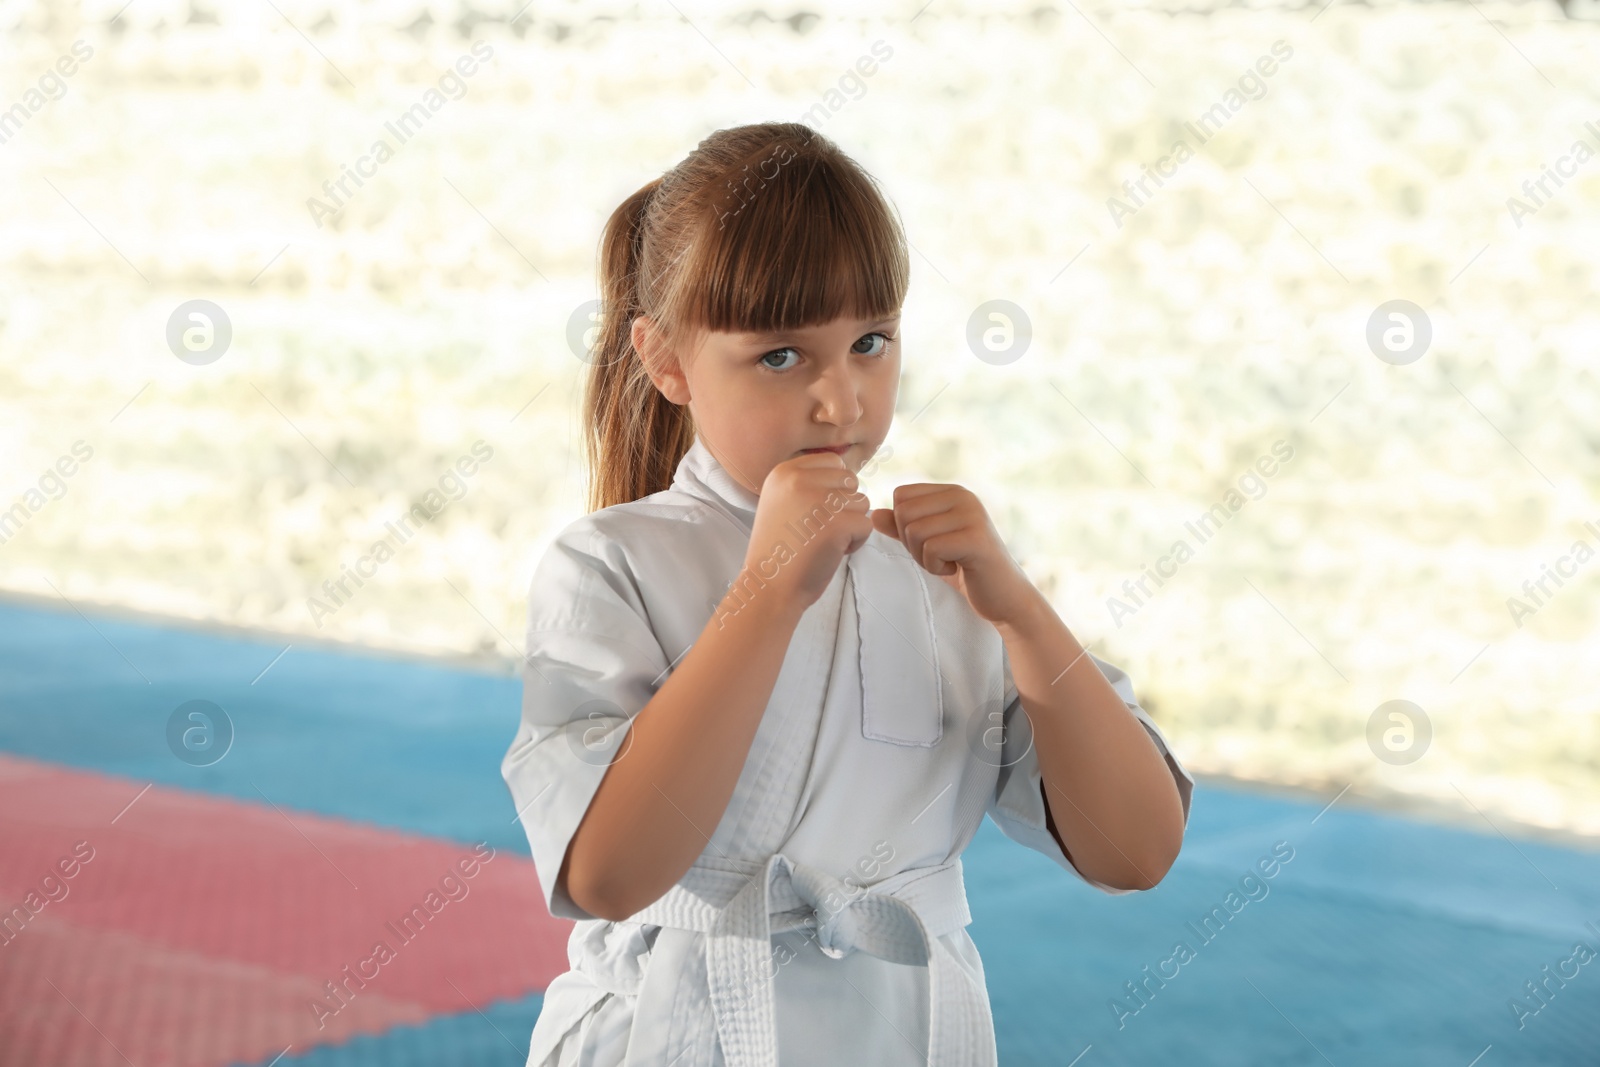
{"type": "Point", "coordinates": [592, 663]}
{"type": "Point", "coordinates": [1018, 803]}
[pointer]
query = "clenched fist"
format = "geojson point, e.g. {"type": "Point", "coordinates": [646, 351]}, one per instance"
{"type": "Point", "coordinates": [809, 516]}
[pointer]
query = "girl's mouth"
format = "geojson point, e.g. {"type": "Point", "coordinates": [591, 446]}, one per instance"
{"type": "Point", "coordinates": [837, 450]}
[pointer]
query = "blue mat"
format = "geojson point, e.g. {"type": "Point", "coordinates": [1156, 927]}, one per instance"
{"type": "Point", "coordinates": [1382, 940]}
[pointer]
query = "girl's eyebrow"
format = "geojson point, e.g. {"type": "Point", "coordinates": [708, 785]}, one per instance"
{"type": "Point", "coordinates": [778, 335]}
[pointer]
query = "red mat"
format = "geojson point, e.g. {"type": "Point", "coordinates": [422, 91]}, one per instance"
{"type": "Point", "coordinates": [196, 930]}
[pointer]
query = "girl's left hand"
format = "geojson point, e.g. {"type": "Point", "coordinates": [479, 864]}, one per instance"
{"type": "Point", "coordinates": [948, 532]}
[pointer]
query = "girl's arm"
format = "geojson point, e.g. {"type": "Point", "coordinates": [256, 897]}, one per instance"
{"type": "Point", "coordinates": [1111, 801]}
{"type": "Point", "coordinates": [1109, 793]}
{"type": "Point", "coordinates": [666, 790]}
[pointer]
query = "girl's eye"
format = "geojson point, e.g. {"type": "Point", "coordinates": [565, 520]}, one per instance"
{"type": "Point", "coordinates": [775, 352]}
{"type": "Point", "coordinates": [886, 339]}
{"type": "Point", "coordinates": [882, 350]}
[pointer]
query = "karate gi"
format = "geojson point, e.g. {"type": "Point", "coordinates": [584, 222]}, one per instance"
{"type": "Point", "coordinates": [825, 921]}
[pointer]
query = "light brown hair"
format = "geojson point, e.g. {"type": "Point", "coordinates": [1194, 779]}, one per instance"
{"type": "Point", "coordinates": [761, 228]}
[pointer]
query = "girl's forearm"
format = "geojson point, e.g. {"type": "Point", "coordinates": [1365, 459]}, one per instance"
{"type": "Point", "coordinates": [1109, 791]}
{"type": "Point", "coordinates": [677, 766]}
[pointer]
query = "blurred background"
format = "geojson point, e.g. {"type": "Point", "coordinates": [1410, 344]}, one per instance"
{"type": "Point", "coordinates": [1352, 320]}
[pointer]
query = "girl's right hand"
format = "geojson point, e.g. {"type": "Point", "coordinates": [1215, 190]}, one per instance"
{"type": "Point", "coordinates": [809, 503]}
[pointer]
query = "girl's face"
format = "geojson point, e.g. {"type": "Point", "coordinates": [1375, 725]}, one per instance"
{"type": "Point", "coordinates": [761, 399]}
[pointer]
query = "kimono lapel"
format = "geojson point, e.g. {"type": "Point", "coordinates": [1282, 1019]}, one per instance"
{"type": "Point", "coordinates": [902, 701]}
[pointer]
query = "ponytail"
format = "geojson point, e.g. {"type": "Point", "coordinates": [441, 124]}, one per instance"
{"type": "Point", "coordinates": [634, 436]}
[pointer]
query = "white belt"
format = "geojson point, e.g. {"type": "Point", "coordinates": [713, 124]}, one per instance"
{"type": "Point", "coordinates": [898, 919]}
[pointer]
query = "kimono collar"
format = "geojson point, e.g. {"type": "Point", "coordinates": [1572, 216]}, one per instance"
{"type": "Point", "coordinates": [902, 698]}
{"type": "Point", "coordinates": [699, 474]}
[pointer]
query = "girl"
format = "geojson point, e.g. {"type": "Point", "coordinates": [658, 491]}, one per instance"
{"type": "Point", "coordinates": [756, 733]}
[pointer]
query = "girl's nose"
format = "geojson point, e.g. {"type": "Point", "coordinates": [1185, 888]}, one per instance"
{"type": "Point", "coordinates": [838, 397]}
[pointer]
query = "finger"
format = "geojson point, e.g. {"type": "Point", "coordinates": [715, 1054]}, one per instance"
{"type": "Point", "coordinates": [820, 459]}
{"type": "Point", "coordinates": [832, 486]}
{"type": "Point", "coordinates": [858, 537]}
{"type": "Point", "coordinates": [883, 522]}
{"type": "Point", "coordinates": [909, 509]}
{"type": "Point", "coordinates": [913, 490]}
{"type": "Point", "coordinates": [855, 500]}
{"type": "Point", "coordinates": [942, 552]}
{"type": "Point", "coordinates": [916, 534]}
{"type": "Point", "coordinates": [843, 481]}
{"type": "Point", "coordinates": [925, 508]}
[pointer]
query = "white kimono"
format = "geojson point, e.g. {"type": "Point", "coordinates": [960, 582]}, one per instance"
{"type": "Point", "coordinates": [825, 922]}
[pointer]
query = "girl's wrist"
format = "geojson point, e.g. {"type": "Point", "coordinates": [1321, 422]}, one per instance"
{"type": "Point", "coordinates": [762, 601]}
{"type": "Point", "coordinates": [1031, 619]}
